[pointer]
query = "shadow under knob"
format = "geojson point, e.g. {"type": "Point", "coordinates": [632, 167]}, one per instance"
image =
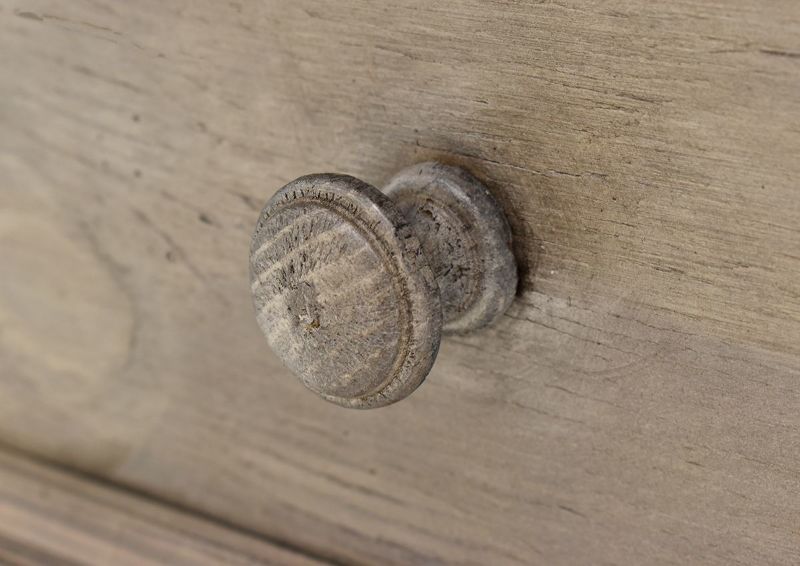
{"type": "Point", "coordinates": [346, 282]}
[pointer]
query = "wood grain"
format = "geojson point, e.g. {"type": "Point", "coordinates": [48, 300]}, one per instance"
{"type": "Point", "coordinates": [50, 517]}
{"type": "Point", "coordinates": [637, 404]}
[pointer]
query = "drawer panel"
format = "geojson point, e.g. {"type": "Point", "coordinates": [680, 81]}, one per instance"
{"type": "Point", "coordinates": [637, 403]}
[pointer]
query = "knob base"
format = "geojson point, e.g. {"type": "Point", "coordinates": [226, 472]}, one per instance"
{"type": "Point", "coordinates": [466, 239]}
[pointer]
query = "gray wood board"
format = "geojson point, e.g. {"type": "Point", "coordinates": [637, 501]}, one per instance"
{"type": "Point", "coordinates": [638, 403]}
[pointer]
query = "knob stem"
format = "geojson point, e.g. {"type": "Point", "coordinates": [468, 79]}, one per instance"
{"type": "Point", "coordinates": [466, 239]}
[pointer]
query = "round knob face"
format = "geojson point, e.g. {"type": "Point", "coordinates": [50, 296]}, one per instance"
{"type": "Point", "coordinates": [343, 292]}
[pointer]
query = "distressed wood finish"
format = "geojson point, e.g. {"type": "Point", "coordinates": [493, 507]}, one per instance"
{"type": "Point", "coordinates": [52, 518]}
{"type": "Point", "coordinates": [637, 404]}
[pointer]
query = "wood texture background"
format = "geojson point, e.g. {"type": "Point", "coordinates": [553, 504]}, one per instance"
{"type": "Point", "coordinates": [638, 403]}
{"type": "Point", "coordinates": [52, 518]}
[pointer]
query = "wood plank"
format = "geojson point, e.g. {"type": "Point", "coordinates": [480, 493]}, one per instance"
{"type": "Point", "coordinates": [639, 402]}
{"type": "Point", "coordinates": [49, 516]}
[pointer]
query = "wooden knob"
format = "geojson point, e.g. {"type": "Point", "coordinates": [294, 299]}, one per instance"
{"type": "Point", "coordinates": [353, 287]}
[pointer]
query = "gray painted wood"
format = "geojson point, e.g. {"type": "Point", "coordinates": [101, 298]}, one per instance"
{"type": "Point", "coordinates": [637, 404]}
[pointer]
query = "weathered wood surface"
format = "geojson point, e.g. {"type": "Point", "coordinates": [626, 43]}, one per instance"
{"type": "Point", "coordinates": [638, 403]}
{"type": "Point", "coordinates": [52, 518]}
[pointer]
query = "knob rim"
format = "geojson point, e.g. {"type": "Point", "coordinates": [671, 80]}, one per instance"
{"type": "Point", "coordinates": [363, 212]}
